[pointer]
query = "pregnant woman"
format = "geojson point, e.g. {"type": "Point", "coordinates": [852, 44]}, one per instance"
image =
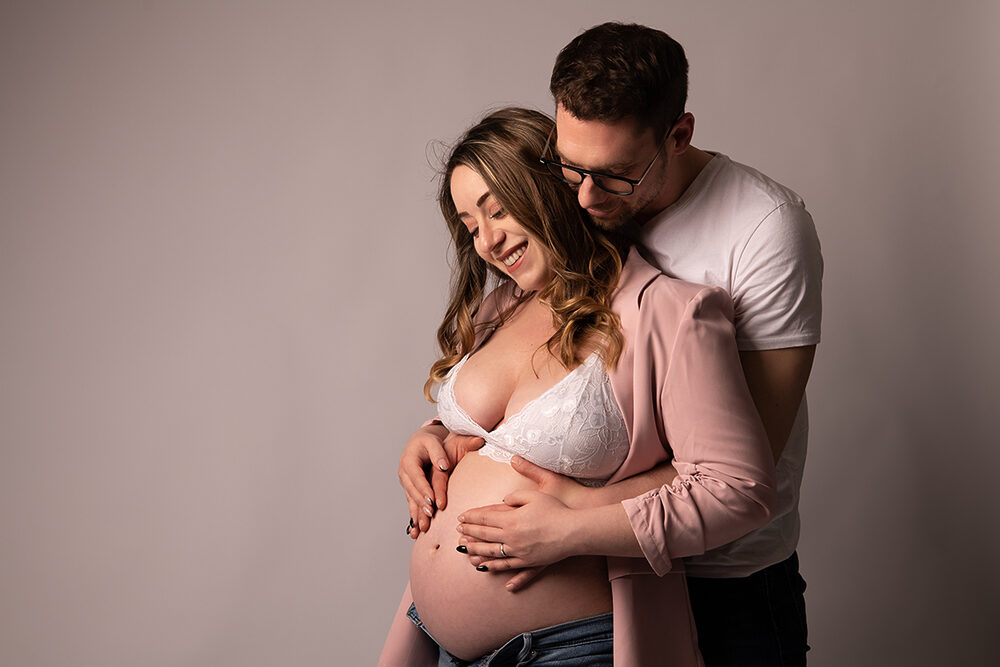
{"type": "Point", "coordinates": [592, 369]}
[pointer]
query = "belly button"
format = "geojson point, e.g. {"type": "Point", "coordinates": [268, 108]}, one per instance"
{"type": "Point", "coordinates": [436, 547]}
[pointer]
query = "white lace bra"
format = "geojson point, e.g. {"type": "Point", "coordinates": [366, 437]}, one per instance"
{"type": "Point", "coordinates": [573, 428]}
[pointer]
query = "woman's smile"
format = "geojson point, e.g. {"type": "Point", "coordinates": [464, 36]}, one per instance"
{"type": "Point", "coordinates": [510, 258]}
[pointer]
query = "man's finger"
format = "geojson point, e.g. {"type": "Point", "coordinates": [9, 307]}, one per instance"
{"type": "Point", "coordinates": [518, 498]}
{"type": "Point", "coordinates": [521, 580]}
{"type": "Point", "coordinates": [436, 454]}
{"type": "Point", "coordinates": [535, 473]}
{"type": "Point", "coordinates": [459, 445]}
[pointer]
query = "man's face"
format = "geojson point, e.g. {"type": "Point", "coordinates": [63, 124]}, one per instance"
{"type": "Point", "coordinates": [619, 148]}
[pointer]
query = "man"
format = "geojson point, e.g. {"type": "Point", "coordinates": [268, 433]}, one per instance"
{"type": "Point", "coordinates": [623, 141]}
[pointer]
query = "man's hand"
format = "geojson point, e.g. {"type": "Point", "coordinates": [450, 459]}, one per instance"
{"type": "Point", "coordinates": [568, 490]}
{"type": "Point", "coordinates": [426, 483]}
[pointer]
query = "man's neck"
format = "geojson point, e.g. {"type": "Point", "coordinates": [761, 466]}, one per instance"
{"type": "Point", "coordinates": [680, 175]}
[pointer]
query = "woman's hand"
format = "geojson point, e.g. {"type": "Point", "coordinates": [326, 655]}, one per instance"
{"type": "Point", "coordinates": [533, 528]}
{"type": "Point", "coordinates": [432, 443]}
{"type": "Point", "coordinates": [570, 492]}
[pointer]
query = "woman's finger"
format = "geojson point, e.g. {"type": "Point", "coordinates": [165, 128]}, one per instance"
{"type": "Point", "coordinates": [413, 529]}
{"type": "Point", "coordinates": [500, 565]}
{"type": "Point", "coordinates": [488, 515]}
{"type": "Point", "coordinates": [417, 490]}
{"type": "Point", "coordinates": [484, 533]}
{"type": "Point", "coordinates": [439, 480]}
{"type": "Point", "coordinates": [486, 550]}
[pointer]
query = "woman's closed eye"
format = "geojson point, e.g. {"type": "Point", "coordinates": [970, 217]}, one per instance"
{"type": "Point", "coordinates": [497, 214]}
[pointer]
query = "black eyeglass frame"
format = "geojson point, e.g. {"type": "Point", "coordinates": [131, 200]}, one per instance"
{"type": "Point", "coordinates": [596, 176]}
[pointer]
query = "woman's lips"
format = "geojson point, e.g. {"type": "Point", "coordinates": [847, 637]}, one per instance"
{"type": "Point", "coordinates": [513, 258]}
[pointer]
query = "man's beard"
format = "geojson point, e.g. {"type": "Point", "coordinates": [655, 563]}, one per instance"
{"type": "Point", "coordinates": [622, 215]}
{"type": "Point", "coordinates": [612, 224]}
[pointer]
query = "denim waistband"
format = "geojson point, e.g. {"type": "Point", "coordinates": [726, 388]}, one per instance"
{"type": "Point", "coordinates": [555, 636]}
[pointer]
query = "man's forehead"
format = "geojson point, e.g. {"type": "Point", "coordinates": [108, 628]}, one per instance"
{"type": "Point", "coordinates": [600, 145]}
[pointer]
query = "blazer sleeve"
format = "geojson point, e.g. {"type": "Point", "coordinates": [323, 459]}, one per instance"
{"type": "Point", "coordinates": [705, 415]}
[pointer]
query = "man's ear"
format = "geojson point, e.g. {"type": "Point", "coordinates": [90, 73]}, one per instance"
{"type": "Point", "coordinates": [680, 139]}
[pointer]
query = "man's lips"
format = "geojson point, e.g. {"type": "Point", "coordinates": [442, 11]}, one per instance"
{"type": "Point", "coordinates": [602, 212]}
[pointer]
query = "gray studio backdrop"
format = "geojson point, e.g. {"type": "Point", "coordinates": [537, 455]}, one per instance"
{"type": "Point", "coordinates": [221, 269]}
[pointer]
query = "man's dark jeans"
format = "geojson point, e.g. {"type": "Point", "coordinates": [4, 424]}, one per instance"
{"type": "Point", "coordinates": [755, 621]}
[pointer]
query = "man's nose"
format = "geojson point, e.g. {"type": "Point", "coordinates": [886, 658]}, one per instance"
{"type": "Point", "coordinates": [589, 195]}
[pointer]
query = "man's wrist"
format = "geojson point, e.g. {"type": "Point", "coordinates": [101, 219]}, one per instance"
{"type": "Point", "coordinates": [436, 427]}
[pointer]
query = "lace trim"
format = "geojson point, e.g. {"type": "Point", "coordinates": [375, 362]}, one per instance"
{"type": "Point", "coordinates": [574, 428]}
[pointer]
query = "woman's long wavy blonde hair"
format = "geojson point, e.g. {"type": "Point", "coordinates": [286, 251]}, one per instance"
{"type": "Point", "coordinates": [503, 149]}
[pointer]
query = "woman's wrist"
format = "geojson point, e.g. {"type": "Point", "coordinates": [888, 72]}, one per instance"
{"type": "Point", "coordinates": [602, 531]}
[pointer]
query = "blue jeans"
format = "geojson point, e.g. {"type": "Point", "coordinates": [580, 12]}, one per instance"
{"type": "Point", "coordinates": [755, 621]}
{"type": "Point", "coordinates": [586, 641]}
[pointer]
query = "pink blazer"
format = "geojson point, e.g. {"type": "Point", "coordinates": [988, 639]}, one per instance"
{"type": "Point", "coordinates": [681, 390]}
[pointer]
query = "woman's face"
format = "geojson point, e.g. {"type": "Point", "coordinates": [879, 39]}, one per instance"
{"type": "Point", "coordinates": [499, 239]}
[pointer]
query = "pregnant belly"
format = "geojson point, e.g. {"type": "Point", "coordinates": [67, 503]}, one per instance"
{"type": "Point", "coordinates": [471, 613]}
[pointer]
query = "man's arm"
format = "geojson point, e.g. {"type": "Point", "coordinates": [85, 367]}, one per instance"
{"type": "Point", "coordinates": [777, 381]}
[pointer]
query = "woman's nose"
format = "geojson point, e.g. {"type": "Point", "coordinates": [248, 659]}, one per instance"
{"type": "Point", "coordinates": [491, 235]}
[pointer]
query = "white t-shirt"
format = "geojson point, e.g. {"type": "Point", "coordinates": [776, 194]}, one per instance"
{"type": "Point", "coordinates": [737, 229]}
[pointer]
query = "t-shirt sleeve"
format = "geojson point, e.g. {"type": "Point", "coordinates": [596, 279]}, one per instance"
{"type": "Point", "coordinates": [778, 281]}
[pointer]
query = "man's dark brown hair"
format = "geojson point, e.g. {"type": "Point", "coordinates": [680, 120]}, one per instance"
{"type": "Point", "coordinates": [616, 70]}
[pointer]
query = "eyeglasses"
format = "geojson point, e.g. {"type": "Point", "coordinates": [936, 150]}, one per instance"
{"type": "Point", "coordinates": [616, 185]}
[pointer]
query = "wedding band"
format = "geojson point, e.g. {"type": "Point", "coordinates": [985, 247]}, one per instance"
{"type": "Point", "coordinates": [502, 552]}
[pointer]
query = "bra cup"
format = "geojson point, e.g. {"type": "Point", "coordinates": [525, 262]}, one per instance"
{"type": "Point", "coordinates": [573, 428]}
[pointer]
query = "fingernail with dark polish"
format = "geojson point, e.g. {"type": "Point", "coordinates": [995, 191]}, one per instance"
{"type": "Point", "coordinates": [411, 522]}
{"type": "Point", "coordinates": [462, 549]}
{"type": "Point", "coordinates": [409, 528]}
{"type": "Point", "coordinates": [482, 568]}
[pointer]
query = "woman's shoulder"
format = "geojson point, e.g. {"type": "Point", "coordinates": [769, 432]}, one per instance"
{"type": "Point", "coordinates": [644, 288]}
